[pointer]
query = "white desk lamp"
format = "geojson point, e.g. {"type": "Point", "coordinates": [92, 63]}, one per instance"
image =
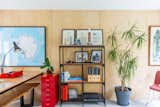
{"type": "Point", "coordinates": [16, 49]}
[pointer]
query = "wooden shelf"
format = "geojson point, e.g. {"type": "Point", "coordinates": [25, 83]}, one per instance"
{"type": "Point", "coordinates": [94, 100]}
{"type": "Point", "coordinates": [85, 82]}
{"type": "Point", "coordinates": [72, 82]}
{"type": "Point", "coordinates": [88, 63]}
{"type": "Point", "coordinates": [79, 99]}
{"type": "Point", "coordinates": [84, 46]}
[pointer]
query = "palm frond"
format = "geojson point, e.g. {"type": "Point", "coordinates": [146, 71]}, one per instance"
{"type": "Point", "coordinates": [113, 54]}
{"type": "Point", "coordinates": [111, 39]}
{"type": "Point", "coordinates": [129, 34]}
{"type": "Point", "coordinates": [139, 40]}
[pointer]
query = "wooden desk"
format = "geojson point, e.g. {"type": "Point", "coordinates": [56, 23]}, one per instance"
{"type": "Point", "coordinates": [11, 89]}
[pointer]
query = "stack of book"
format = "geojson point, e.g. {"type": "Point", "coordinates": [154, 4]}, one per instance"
{"type": "Point", "coordinates": [75, 79]}
{"type": "Point", "coordinates": [66, 77]}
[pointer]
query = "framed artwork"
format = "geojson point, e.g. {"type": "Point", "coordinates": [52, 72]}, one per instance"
{"type": "Point", "coordinates": [81, 56]}
{"type": "Point", "coordinates": [68, 36]}
{"type": "Point", "coordinates": [154, 46]}
{"type": "Point", "coordinates": [97, 37]}
{"type": "Point", "coordinates": [96, 56]}
{"type": "Point", "coordinates": [30, 39]}
{"type": "Point", "coordinates": [82, 36]}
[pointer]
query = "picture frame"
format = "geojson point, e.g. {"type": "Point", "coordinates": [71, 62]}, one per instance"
{"type": "Point", "coordinates": [97, 37]}
{"type": "Point", "coordinates": [31, 40]}
{"type": "Point", "coordinates": [96, 56]}
{"type": "Point", "coordinates": [79, 55]}
{"type": "Point", "coordinates": [82, 36]}
{"type": "Point", "coordinates": [68, 36]}
{"type": "Point", "coordinates": [154, 46]}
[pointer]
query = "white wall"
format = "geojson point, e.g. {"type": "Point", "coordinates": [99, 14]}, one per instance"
{"type": "Point", "coordinates": [81, 4]}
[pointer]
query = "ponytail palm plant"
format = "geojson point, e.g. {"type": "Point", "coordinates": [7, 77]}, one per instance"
{"type": "Point", "coordinates": [123, 55]}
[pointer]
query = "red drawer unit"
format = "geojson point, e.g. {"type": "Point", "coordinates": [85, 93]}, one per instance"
{"type": "Point", "coordinates": [49, 90]}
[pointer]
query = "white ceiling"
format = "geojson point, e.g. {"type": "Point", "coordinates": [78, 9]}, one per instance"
{"type": "Point", "coordinates": [81, 4]}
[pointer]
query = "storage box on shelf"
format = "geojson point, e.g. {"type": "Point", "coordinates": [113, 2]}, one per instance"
{"type": "Point", "coordinates": [94, 74]}
{"type": "Point", "coordinates": [49, 89]}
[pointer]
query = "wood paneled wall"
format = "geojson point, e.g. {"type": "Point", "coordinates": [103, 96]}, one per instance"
{"type": "Point", "coordinates": [56, 20]}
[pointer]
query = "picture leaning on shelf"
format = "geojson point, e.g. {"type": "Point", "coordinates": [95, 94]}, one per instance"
{"type": "Point", "coordinates": [68, 36]}
{"type": "Point", "coordinates": [96, 56]}
{"type": "Point", "coordinates": [89, 37]}
{"type": "Point", "coordinates": [69, 93]}
{"type": "Point", "coordinates": [81, 56]}
{"type": "Point", "coordinates": [82, 37]}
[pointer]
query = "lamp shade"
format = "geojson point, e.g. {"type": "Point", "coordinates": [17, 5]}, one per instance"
{"type": "Point", "coordinates": [16, 47]}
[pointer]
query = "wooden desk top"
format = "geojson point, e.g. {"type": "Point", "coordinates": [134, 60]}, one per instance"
{"type": "Point", "coordinates": [7, 84]}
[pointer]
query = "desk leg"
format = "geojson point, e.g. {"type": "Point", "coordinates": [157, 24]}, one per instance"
{"type": "Point", "coordinates": [32, 97]}
{"type": "Point", "coordinates": [31, 100]}
{"type": "Point", "coordinates": [22, 101]}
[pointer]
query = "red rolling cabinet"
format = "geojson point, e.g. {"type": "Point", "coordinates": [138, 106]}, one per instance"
{"type": "Point", "coordinates": [49, 90]}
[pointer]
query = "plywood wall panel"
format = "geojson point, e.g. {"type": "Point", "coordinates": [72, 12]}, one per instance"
{"type": "Point", "coordinates": [144, 75]}
{"type": "Point", "coordinates": [56, 20]}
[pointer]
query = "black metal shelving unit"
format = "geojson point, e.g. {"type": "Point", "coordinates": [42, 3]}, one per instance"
{"type": "Point", "coordinates": [63, 64]}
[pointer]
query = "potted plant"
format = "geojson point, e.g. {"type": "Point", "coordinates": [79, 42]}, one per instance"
{"type": "Point", "coordinates": [124, 59]}
{"type": "Point", "coordinates": [47, 65]}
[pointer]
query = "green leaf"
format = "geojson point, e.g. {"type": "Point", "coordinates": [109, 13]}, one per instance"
{"type": "Point", "coordinates": [139, 40]}
{"type": "Point", "coordinates": [112, 39]}
{"type": "Point", "coordinates": [47, 65]}
{"type": "Point", "coordinates": [44, 66]}
{"type": "Point", "coordinates": [129, 34]}
{"type": "Point", "coordinates": [112, 55]}
{"type": "Point", "coordinates": [47, 61]}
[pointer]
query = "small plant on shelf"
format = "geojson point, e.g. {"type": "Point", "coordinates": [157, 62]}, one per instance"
{"type": "Point", "coordinates": [47, 65]}
{"type": "Point", "coordinates": [124, 58]}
